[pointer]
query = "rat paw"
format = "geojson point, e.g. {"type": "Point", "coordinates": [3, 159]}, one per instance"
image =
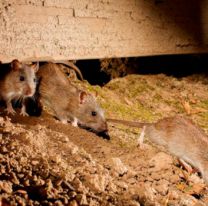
{"type": "Point", "coordinates": [24, 114]}
{"type": "Point", "coordinates": [23, 111]}
{"type": "Point", "coordinates": [64, 121]}
{"type": "Point", "coordinates": [187, 166]}
{"type": "Point", "coordinates": [10, 110]}
{"type": "Point", "coordinates": [75, 122]}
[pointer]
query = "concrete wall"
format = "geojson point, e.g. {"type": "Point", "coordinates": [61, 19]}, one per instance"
{"type": "Point", "coordinates": [82, 29]}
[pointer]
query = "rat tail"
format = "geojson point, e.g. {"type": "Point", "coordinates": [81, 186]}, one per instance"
{"type": "Point", "coordinates": [128, 123]}
{"type": "Point", "coordinates": [72, 65]}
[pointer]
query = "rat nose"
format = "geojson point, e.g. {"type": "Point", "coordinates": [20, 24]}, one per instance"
{"type": "Point", "coordinates": [28, 91]}
{"type": "Point", "coordinates": [104, 135]}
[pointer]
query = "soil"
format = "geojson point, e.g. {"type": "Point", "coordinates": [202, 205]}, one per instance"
{"type": "Point", "coordinates": [45, 162]}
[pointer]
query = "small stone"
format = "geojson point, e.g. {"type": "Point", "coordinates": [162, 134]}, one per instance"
{"type": "Point", "coordinates": [73, 203]}
{"type": "Point", "coordinates": [2, 169]}
{"type": "Point", "coordinates": [133, 203]}
{"type": "Point", "coordinates": [65, 139]}
{"type": "Point", "coordinates": [59, 182]}
{"type": "Point", "coordinates": [122, 185]}
{"type": "Point", "coordinates": [67, 185]}
{"type": "Point", "coordinates": [4, 149]}
{"type": "Point", "coordinates": [188, 200]}
{"type": "Point", "coordinates": [40, 182]}
{"type": "Point", "coordinates": [78, 185]}
{"type": "Point", "coordinates": [174, 179]}
{"type": "Point", "coordinates": [160, 161]}
{"type": "Point", "coordinates": [34, 162]}
{"type": "Point", "coordinates": [26, 183]}
{"type": "Point", "coordinates": [118, 166]}
{"type": "Point", "coordinates": [96, 182]}
{"type": "Point", "coordinates": [172, 202]}
{"type": "Point", "coordinates": [72, 194]}
{"type": "Point", "coordinates": [35, 178]}
{"type": "Point", "coordinates": [21, 191]}
{"type": "Point", "coordinates": [58, 203]}
{"type": "Point", "coordinates": [14, 179]}
{"type": "Point", "coordinates": [57, 159]}
{"type": "Point", "coordinates": [194, 178]}
{"type": "Point", "coordinates": [173, 195]}
{"type": "Point", "coordinates": [74, 150]}
{"type": "Point", "coordinates": [155, 176]}
{"type": "Point", "coordinates": [149, 179]}
{"type": "Point", "coordinates": [162, 187]}
{"type": "Point", "coordinates": [132, 180]}
{"type": "Point", "coordinates": [6, 186]}
{"type": "Point", "coordinates": [82, 199]}
{"type": "Point", "coordinates": [65, 200]}
{"type": "Point", "coordinates": [112, 187]}
{"type": "Point", "coordinates": [144, 192]}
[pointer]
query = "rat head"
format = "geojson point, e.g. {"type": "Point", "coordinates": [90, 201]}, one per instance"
{"type": "Point", "coordinates": [89, 114]}
{"type": "Point", "coordinates": [24, 78]}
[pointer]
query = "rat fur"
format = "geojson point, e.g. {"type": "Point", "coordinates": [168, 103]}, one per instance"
{"type": "Point", "coordinates": [67, 102]}
{"type": "Point", "coordinates": [181, 137]}
{"type": "Point", "coordinates": [17, 82]}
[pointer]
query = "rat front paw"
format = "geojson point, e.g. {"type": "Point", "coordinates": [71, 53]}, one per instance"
{"type": "Point", "coordinates": [23, 111]}
{"type": "Point", "coordinates": [24, 114]}
{"type": "Point", "coordinates": [64, 121]}
{"type": "Point", "coordinates": [75, 122]}
{"type": "Point", "coordinates": [10, 110]}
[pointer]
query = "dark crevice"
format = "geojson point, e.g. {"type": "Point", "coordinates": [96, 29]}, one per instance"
{"type": "Point", "coordinates": [91, 71]}
{"type": "Point", "coordinates": [172, 65]}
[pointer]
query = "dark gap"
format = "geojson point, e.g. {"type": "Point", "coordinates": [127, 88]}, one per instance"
{"type": "Point", "coordinates": [91, 71]}
{"type": "Point", "coordinates": [174, 65]}
{"type": "Point", "coordinates": [171, 65]}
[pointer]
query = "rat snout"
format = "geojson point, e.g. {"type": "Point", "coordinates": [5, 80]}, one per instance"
{"type": "Point", "coordinates": [99, 126]}
{"type": "Point", "coordinates": [104, 135]}
{"type": "Point", "coordinates": [28, 91]}
{"type": "Point", "coordinates": [104, 131]}
{"type": "Point", "coordinates": [103, 127]}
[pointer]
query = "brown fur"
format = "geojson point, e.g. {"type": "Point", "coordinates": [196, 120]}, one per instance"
{"type": "Point", "coordinates": [17, 82]}
{"type": "Point", "coordinates": [182, 138]}
{"type": "Point", "coordinates": [66, 101]}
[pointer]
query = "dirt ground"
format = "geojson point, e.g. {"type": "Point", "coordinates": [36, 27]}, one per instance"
{"type": "Point", "coordinates": [45, 162]}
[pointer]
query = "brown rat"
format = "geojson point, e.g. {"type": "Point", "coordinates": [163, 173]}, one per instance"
{"type": "Point", "coordinates": [180, 136]}
{"type": "Point", "coordinates": [67, 102]}
{"type": "Point", "coordinates": [17, 83]}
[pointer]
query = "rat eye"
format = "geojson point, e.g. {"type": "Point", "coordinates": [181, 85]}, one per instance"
{"type": "Point", "coordinates": [34, 80]}
{"type": "Point", "coordinates": [93, 113]}
{"type": "Point", "coordinates": [22, 78]}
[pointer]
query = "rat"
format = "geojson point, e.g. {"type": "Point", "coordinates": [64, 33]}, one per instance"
{"type": "Point", "coordinates": [180, 136]}
{"type": "Point", "coordinates": [17, 82]}
{"type": "Point", "coordinates": [67, 102]}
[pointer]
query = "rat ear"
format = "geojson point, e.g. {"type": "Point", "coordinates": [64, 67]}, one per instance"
{"type": "Point", "coordinates": [35, 66]}
{"type": "Point", "coordinates": [16, 65]}
{"type": "Point", "coordinates": [82, 97]}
